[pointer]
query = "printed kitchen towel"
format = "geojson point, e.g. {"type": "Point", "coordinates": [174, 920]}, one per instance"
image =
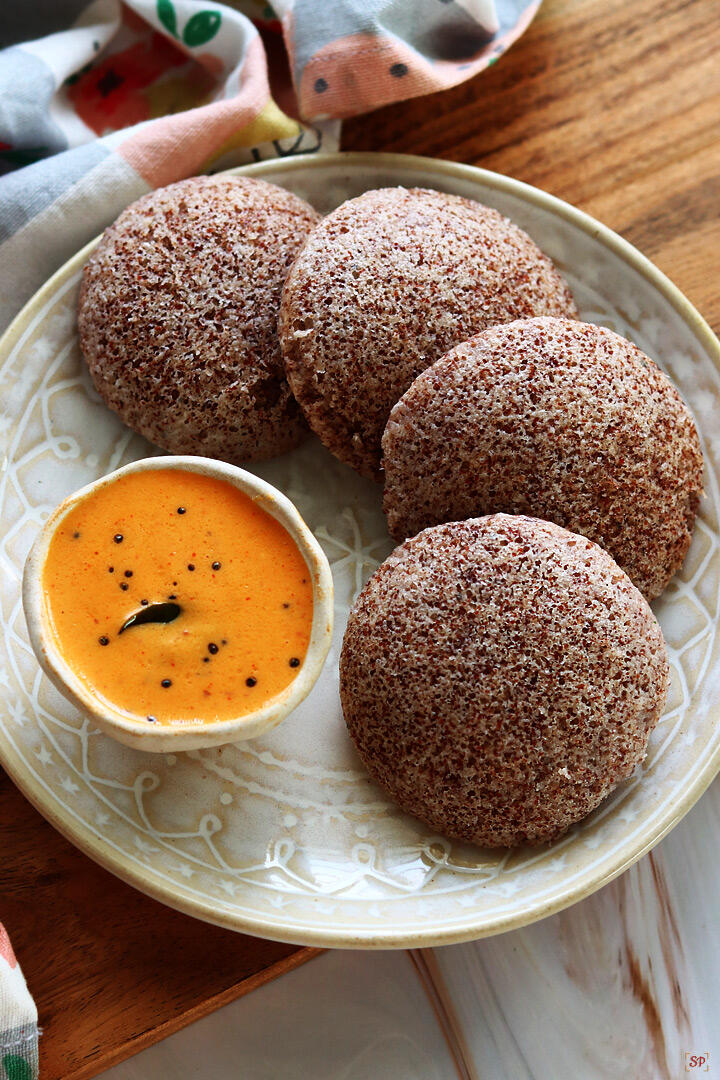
{"type": "Point", "coordinates": [117, 98]}
{"type": "Point", "coordinates": [18, 1019]}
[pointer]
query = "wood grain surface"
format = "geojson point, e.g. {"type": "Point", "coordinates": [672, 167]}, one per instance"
{"type": "Point", "coordinates": [111, 970]}
{"type": "Point", "coordinates": [612, 106]}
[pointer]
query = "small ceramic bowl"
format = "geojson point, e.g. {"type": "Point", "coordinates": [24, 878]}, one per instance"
{"type": "Point", "coordinates": [165, 738]}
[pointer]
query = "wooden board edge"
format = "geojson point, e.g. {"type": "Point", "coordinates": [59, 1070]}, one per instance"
{"type": "Point", "coordinates": [211, 1004]}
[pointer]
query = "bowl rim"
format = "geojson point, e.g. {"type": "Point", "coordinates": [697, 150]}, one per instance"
{"type": "Point", "coordinates": [102, 851]}
{"type": "Point", "coordinates": [194, 735]}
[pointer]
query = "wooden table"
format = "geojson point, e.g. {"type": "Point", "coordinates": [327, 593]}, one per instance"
{"type": "Point", "coordinates": [611, 105]}
{"type": "Point", "coordinates": [111, 970]}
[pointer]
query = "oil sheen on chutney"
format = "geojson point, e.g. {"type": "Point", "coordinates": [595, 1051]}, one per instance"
{"type": "Point", "coordinates": [176, 597]}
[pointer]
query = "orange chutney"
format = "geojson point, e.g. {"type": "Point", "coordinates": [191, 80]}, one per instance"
{"type": "Point", "coordinates": [175, 597]}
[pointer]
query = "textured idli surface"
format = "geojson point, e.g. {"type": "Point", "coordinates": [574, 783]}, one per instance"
{"type": "Point", "coordinates": [500, 676]}
{"type": "Point", "coordinates": [178, 316]}
{"type": "Point", "coordinates": [557, 419]}
{"type": "Point", "coordinates": [385, 285]}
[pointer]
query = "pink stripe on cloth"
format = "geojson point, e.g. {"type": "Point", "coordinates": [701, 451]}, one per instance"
{"type": "Point", "coordinates": [356, 74]}
{"type": "Point", "coordinates": [6, 949]}
{"type": "Point", "coordinates": [172, 147]}
{"type": "Point", "coordinates": [353, 74]}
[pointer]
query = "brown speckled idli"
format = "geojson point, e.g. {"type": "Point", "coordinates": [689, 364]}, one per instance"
{"type": "Point", "coordinates": [385, 285]}
{"type": "Point", "coordinates": [558, 419]}
{"type": "Point", "coordinates": [500, 676]}
{"type": "Point", "coordinates": [178, 316]}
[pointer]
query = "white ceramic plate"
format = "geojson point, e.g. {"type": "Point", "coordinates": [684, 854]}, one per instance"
{"type": "Point", "coordinates": [285, 836]}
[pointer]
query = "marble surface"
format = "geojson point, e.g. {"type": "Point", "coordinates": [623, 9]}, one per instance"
{"type": "Point", "coordinates": [623, 986]}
